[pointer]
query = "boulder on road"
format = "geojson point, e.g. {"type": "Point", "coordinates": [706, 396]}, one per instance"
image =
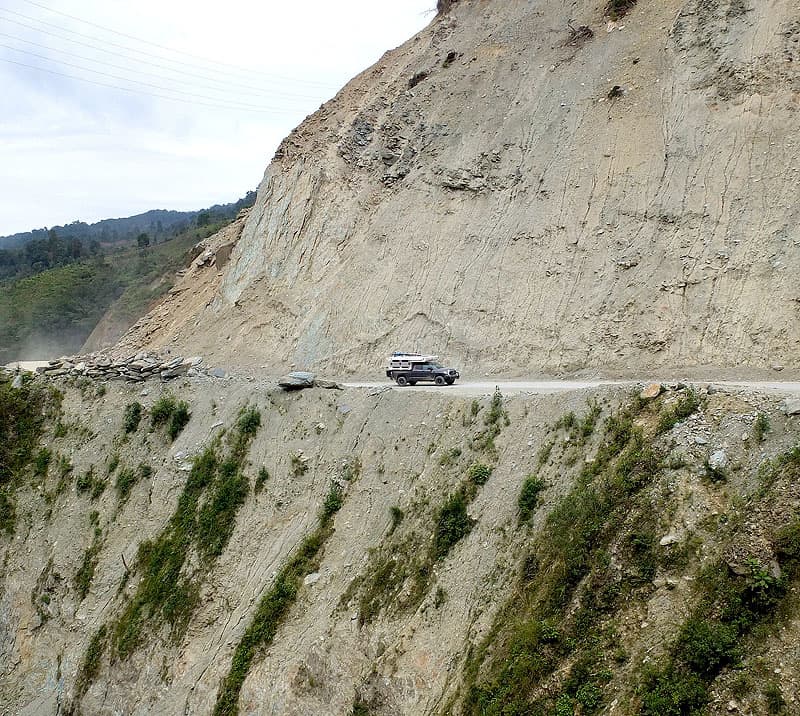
{"type": "Point", "coordinates": [297, 380]}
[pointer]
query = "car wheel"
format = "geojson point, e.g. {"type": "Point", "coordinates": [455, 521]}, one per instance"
{"type": "Point", "coordinates": [402, 380]}
{"type": "Point", "coordinates": [412, 382]}
{"type": "Point", "coordinates": [450, 381]}
{"type": "Point", "coordinates": [440, 380]}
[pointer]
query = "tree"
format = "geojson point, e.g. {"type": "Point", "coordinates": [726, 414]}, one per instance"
{"type": "Point", "coordinates": [143, 241]}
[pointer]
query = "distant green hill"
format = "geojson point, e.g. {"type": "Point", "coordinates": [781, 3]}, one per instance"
{"type": "Point", "coordinates": [54, 311]}
{"type": "Point", "coordinates": [158, 224]}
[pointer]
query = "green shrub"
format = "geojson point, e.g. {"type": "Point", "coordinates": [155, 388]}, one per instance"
{"type": "Point", "coordinates": [776, 704]}
{"type": "Point", "coordinates": [787, 543]}
{"type": "Point", "coordinates": [113, 463]}
{"type": "Point", "coordinates": [85, 481]}
{"type": "Point", "coordinates": [705, 645]}
{"type": "Point", "coordinates": [162, 410]}
{"type": "Point", "coordinates": [528, 499]}
{"type": "Point", "coordinates": [761, 427]}
{"type": "Point", "coordinates": [450, 456]}
{"type": "Point", "coordinates": [90, 666]}
{"type": "Point", "coordinates": [397, 516]}
{"type": "Point", "coordinates": [479, 474]}
{"type": "Point", "coordinates": [178, 421]}
{"type": "Point", "coordinates": [672, 692]}
{"type": "Point", "coordinates": [249, 422]}
{"type": "Point", "coordinates": [360, 708]}
{"type": "Point", "coordinates": [543, 454]}
{"type": "Point", "coordinates": [217, 517]}
{"type": "Point", "coordinates": [85, 574]}
{"type": "Point", "coordinates": [98, 487]}
{"type": "Point", "coordinates": [22, 416]}
{"type": "Point", "coordinates": [682, 408]}
{"type": "Point", "coordinates": [42, 462]}
{"type": "Point", "coordinates": [566, 421]}
{"type": "Point", "coordinates": [333, 502]}
{"type": "Point", "coordinates": [452, 524]}
{"type": "Point", "coordinates": [617, 8]}
{"type": "Point", "coordinates": [127, 478]}
{"type": "Point", "coordinates": [261, 480]}
{"type": "Point", "coordinates": [132, 417]}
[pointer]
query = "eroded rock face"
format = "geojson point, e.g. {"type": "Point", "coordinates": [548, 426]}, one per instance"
{"type": "Point", "coordinates": [514, 212]}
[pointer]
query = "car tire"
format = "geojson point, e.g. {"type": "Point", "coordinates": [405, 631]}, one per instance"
{"type": "Point", "coordinates": [450, 381]}
{"type": "Point", "coordinates": [412, 382]}
{"type": "Point", "coordinates": [440, 380]}
{"type": "Point", "coordinates": [401, 380]}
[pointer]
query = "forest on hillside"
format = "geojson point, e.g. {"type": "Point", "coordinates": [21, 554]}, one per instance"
{"type": "Point", "coordinates": [30, 253]}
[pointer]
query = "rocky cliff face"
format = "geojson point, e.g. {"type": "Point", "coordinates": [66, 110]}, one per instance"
{"type": "Point", "coordinates": [311, 553]}
{"type": "Point", "coordinates": [533, 187]}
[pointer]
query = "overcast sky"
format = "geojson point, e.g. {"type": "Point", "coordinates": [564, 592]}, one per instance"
{"type": "Point", "coordinates": [203, 106]}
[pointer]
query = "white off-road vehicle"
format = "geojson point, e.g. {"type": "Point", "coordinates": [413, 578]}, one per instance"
{"type": "Point", "coordinates": [413, 368]}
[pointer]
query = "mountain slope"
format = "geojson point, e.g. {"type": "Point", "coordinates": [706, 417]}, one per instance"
{"type": "Point", "coordinates": [312, 553]}
{"type": "Point", "coordinates": [531, 187]}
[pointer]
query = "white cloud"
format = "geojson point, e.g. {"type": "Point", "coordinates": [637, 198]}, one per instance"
{"type": "Point", "coordinates": [75, 150]}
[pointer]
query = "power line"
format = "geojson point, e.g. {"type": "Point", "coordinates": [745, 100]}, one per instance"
{"type": "Point", "coordinates": [137, 82]}
{"type": "Point", "coordinates": [226, 84]}
{"type": "Point", "coordinates": [130, 90]}
{"type": "Point", "coordinates": [154, 44]}
{"type": "Point", "coordinates": [148, 54]}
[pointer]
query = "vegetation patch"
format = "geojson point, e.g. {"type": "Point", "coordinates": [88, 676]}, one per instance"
{"type": "Point", "coordinates": [128, 477]}
{"type": "Point", "coordinates": [23, 412]}
{"type": "Point", "coordinates": [261, 480]}
{"type": "Point", "coordinates": [553, 628]}
{"type": "Point", "coordinates": [619, 8]}
{"type": "Point", "coordinates": [85, 574]}
{"type": "Point", "coordinates": [90, 666]}
{"type": "Point", "coordinates": [132, 417]}
{"type": "Point", "coordinates": [495, 419]}
{"type": "Point", "coordinates": [202, 523]}
{"type": "Point", "coordinates": [170, 412]}
{"type": "Point", "coordinates": [275, 605]}
{"type": "Point", "coordinates": [399, 573]}
{"type": "Point", "coordinates": [761, 426]}
{"type": "Point", "coordinates": [686, 404]}
{"type": "Point", "coordinates": [730, 607]}
{"type": "Point", "coordinates": [733, 602]}
{"type": "Point", "coordinates": [529, 497]}
{"type": "Point", "coordinates": [452, 524]}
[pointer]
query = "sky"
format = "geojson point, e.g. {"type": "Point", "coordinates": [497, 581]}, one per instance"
{"type": "Point", "coordinates": [110, 108]}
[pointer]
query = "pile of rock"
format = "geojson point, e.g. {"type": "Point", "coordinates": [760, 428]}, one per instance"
{"type": "Point", "coordinates": [134, 369]}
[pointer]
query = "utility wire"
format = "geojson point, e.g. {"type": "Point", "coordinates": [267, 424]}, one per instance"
{"type": "Point", "coordinates": [154, 44]}
{"type": "Point", "coordinates": [149, 94]}
{"type": "Point", "coordinates": [149, 54]}
{"type": "Point", "coordinates": [138, 82]}
{"type": "Point", "coordinates": [225, 84]}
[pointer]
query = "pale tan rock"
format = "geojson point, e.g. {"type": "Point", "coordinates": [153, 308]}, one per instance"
{"type": "Point", "coordinates": [651, 391]}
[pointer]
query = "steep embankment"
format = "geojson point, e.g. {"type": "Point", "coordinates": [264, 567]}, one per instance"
{"type": "Point", "coordinates": [532, 187]}
{"type": "Point", "coordinates": [314, 553]}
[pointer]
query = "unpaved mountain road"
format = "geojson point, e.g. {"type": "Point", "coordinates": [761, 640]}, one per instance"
{"type": "Point", "coordinates": [547, 387]}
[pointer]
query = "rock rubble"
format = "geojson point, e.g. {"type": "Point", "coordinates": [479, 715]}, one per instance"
{"type": "Point", "coordinates": [134, 369]}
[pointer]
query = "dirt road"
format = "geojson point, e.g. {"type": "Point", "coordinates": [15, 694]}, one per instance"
{"type": "Point", "coordinates": [545, 387]}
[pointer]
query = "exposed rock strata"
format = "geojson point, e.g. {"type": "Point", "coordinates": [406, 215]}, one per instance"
{"type": "Point", "coordinates": [512, 211]}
